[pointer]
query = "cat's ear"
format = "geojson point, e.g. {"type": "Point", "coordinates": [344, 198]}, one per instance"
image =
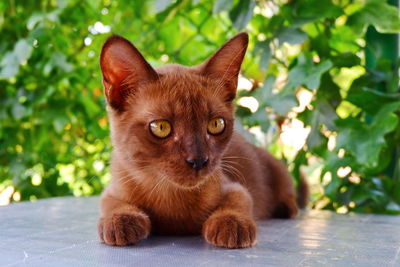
{"type": "Point", "coordinates": [225, 63]}
{"type": "Point", "coordinates": [124, 68]}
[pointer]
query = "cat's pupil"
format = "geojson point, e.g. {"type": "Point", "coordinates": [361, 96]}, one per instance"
{"type": "Point", "coordinates": [161, 127]}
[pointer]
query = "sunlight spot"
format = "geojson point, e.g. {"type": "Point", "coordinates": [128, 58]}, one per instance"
{"type": "Point", "coordinates": [17, 196]}
{"type": "Point", "coordinates": [341, 153]}
{"type": "Point", "coordinates": [327, 178]}
{"type": "Point", "coordinates": [104, 11]}
{"type": "Point", "coordinates": [164, 58]}
{"type": "Point", "coordinates": [244, 83]}
{"type": "Point", "coordinates": [257, 132]}
{"type": "Point", "coordinates": [22, 99]}
{"type": "Point", "coordinates": [304, 96]}
{"type": "Point", "coordinates": [342, 210]}
{"type": "Point", "coordinates": [249, 102]}
{"type": "Point", "coordinates": [87, 41]}
{"type": "Point", "coordinates": [98, 165]}
{"type": "Point", "coordinates": [355, 178]}
{"type": "Point", "coordinates": [267, 10]}
{"type": "Point", "coordinates": [316, 59]}
{"type": "Point", "coordinates": [18, 148]}
{"type": "Point", "coordinates": [261, 37]}
{"type": "Point", "coordinates": [99, 27]}
{"type": "Point", "coordinates": [5, 195]}
{"type": "Point", "coordinates": [343, 171]}
{"type": "Point", "coordinates": [322, 203]}
{"type": "Point", "coordinates": [331, 142]}
{"type": "Point", "coordinates": [294, 134]}
{"type": "Point", "coordinates": [36, 179]}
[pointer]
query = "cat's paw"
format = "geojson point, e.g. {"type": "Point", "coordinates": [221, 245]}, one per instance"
{"type": "Point", "coordinates": [230, 230]}
{"type": "Point", "coordinates": [124, 229]}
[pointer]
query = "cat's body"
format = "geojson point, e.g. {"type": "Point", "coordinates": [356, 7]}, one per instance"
{"type": "Point", "coordinates": [197, 177]}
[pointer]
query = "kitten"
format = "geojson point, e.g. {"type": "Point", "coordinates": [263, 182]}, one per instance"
{"type": "Point", "coordinates": [178, 166]}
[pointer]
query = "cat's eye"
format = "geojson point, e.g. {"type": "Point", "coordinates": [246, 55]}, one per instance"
{"type": "Point", "coordinates": [216, 126]}
{"type": "Point", "coordinates": [160, 128]}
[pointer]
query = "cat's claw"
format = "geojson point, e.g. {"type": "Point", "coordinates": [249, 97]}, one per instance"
{"type": "Point", "coordinates": [123, 229]}
{"type": "Point", "coordinates": [230, 231]}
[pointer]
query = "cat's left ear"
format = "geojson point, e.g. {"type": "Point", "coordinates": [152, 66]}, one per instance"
{"type": "Point", "coordinates": [225, 63]}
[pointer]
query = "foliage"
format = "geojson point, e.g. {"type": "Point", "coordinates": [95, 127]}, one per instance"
{"type": "Point", "coordinates": [54, 133]}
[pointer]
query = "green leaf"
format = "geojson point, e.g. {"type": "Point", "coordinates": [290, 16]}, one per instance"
{"type": "Point", "coordinates": [282, 103]}
{"type": "Point", "coordinates": [323, 114]}
{"type": "Point", "coordinates": [59, 123]}
{"type": "Point", "coordinates": [369, 99]}
{"type": "Point", "coordinates": [259, 118]}
{"type": "Point", "coordinates": [264, 94]}
{"type": "Point", "coordinates": [366, 141]}
{"type": "Point", "coordinates": [11, 60]}
{"type": "Point", "coordinates": [346, 60]}
{"type": "Point", "coordinates": [384, 17]}
{"type": "Point", "coordinates": [59, 60]}
{"type": "Point", "coordinates": [264, 50]}
{"type": "Point", "coordinates": [291, 36]}
{"type": "Point", "coordinates": [243, 111]}
{"type": "Point", "coordinates": [363, 94]}
{"type": "Point", "coordinates": [317, 9]}
{"type": "Point", "coordinates": [222, 5]}
{"type": "Point", "coordinates": [91, 107]}
{"type": "Point", "coordinates": [18, 110]}
{"type": "Point", "coordinates": [10, 65]}
{"type": "Point", "coordinates": [343, 39]}
{"type": "Point", "coordinates": [393, 206]}
{"type": "Point", "coordinates": [161, 5]}
{"type": "Point", "coordinates": [34, 20]}
{"type": "Point", "coordinates": [242, 13]}
{"type": "Point", "coordinates": [307, 73]}
{"type": "Point", "coordinates": [22, 50]}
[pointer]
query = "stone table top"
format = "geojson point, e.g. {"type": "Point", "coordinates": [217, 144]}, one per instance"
{"type": "Point", "coordinates": [62, 232]}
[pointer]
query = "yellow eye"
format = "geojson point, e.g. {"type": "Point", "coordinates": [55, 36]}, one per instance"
{"type": "Point", "coordinates": [160, 128]}
{"type": "Point", "coordinates": [216, 126]}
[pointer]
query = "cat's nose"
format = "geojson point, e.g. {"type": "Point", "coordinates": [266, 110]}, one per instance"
{"type": "Point", "coordinates": [197, 164]}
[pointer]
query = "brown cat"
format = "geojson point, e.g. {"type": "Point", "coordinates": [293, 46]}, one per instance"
{"type": "Point", "coordinates": [178, 166]}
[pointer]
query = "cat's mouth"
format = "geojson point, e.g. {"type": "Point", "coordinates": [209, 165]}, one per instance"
{"type": "Point", "coordinates": [191, 178]}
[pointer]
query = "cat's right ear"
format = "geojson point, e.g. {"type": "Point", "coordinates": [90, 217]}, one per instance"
{"type": "Point", "coordinates": [123, 68]}
{"type": "Point", "coordinates": [225, 63]}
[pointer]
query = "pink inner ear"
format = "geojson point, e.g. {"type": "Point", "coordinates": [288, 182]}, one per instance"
{"type": "Point", "coordinates": [123, 69]}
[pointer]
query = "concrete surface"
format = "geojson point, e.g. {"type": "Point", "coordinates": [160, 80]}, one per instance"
{"type": "Point", "coordinates": [62, 232]}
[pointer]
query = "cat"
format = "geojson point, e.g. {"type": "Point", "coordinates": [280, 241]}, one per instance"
{"type": "Point", "coordinates": [178, 166]}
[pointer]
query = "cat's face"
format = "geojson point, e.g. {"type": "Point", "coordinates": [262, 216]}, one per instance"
{"type": "Point", "coordinates": [174, 122]}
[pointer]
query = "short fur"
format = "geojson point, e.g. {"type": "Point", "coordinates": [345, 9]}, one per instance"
{"type": "Point", "coordinates": [153, 189]}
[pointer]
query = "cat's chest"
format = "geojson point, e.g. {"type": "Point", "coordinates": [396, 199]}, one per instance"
{"type": "Point", "coordinates": [180, 214]}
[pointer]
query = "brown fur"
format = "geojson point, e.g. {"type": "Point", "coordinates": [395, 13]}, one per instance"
{"type": "Point", "coordinates": [153, 189]}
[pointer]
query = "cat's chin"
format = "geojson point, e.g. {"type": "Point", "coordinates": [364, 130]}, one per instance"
{"type": "Point", "coordinates": [191, 181]}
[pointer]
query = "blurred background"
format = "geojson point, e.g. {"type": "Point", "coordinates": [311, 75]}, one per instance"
{"type": "Point", "coordinates": [319, 89]}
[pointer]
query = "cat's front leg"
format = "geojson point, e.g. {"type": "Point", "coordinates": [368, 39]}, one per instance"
{"type": "Point", "coordinates": [232, 225]}
{"type": "Point", "coordinates": [121, 223]}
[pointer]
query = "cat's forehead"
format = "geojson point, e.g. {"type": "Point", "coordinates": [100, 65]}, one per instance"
{"type": "Point", "coordinates": [183, 86]}
{"type": "Point", "coordinates": [180, 95]}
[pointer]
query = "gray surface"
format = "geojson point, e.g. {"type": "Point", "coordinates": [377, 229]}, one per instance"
{"type": "Point", "coordinates": [62, 232]}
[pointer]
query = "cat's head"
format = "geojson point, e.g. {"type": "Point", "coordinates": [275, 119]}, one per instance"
{"type": "Point", "coordinates": [174, 121]}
